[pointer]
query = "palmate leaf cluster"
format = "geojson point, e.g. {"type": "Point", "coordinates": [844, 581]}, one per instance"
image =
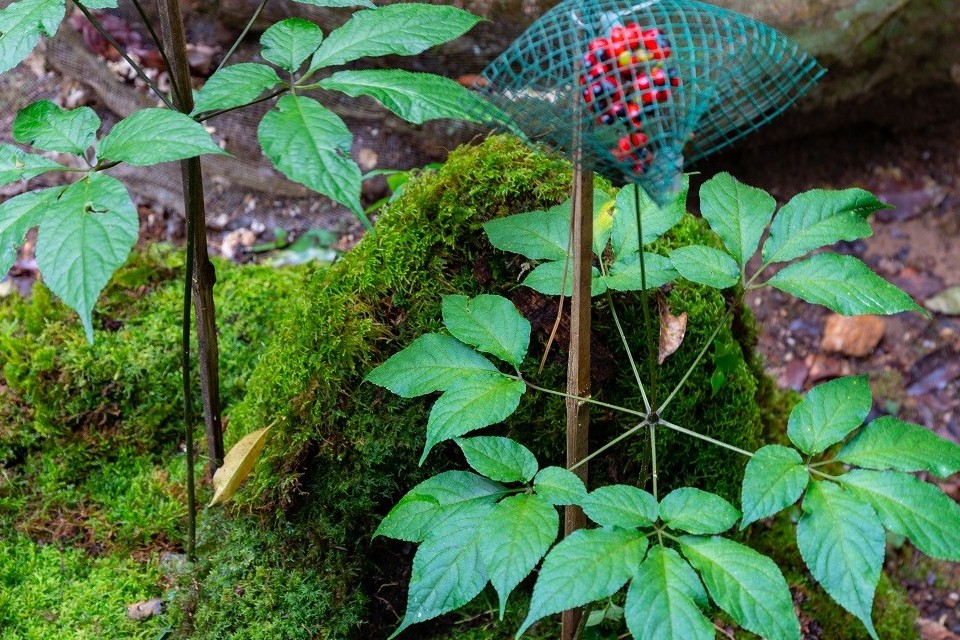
{"type": "Point", "coordinates": [497, 523]}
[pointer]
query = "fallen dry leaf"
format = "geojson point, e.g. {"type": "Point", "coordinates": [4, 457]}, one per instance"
{"type": "Point", "coordinates": [145, 609]}
{"type": "Point", "coordinates": [856, 336]}
{"type": "Point", "coordinates": [237, 465]}
{"type": "Point", "coordinates": [946, 302]}
{"type": "Point", "coordinates": [672, 329]}
{"type": "Point", "coordinates": [933, 630]}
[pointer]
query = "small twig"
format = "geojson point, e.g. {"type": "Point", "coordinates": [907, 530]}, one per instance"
{"type": "Point", "coordinates": [563, 290]}
{"type": "Point", "coordinates": [243, 34]}
{"type": "Point", "coordinates": [159, 43]}
{"type": "Point", "coordinates": [220, 112]}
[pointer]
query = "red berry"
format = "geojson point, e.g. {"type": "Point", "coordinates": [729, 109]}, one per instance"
{"type": "Point", "coordinates": [598, 71]}
{"type": "Point", "coordinates": [659, 77]}
{"type": "Point", "coordinates": [642, 83]}
{"type": "Point", "coordinates": [634, 113]}
{"type": "Point", "coordinates": [647, 97]}
{"type": "Point", "coordinates": [633, 36]}
{"type": "Point", "coordinates": [624, 144]}
{"type": "Point", "coordinates": [589, 60]}
{"type": "Point", "coordinates": [638, 140]}
{"type": "Point", "coordinates": [674, 74]}
{"type": "Point", "coordinates": [661, 54]}
{"type": "Point", "coordinates": [618, 48]}
{"type": "Point", "coordinates": [663, 95]}
{"type": "Point", "coordinates": [599, 47]}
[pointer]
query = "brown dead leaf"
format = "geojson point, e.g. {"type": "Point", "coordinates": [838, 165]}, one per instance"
{"type": "Point", "coordinates": [672, 329]}
{"type": "Point", "coordinates": [933, 630]}
{"type": "Point", "coordinates": [237, 465]}
{"type": "Point", "coordinates": [145, 609]}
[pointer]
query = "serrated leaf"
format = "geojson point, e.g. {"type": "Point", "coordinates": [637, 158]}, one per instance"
{"type": "Point", "coordinates": [500, 459]}
{"type": "Point", "coordinates": [310, 144]}
{"type": "Point", "coordinates": [537, 235]}
{"type": "Point", "coordinates": [842, 543]}
{"type": "Point", "coordinates": [448, 570]}
{"type": "Point", "coordinates": [745, 584]}
{"type": "Point", "coordinates": [489, 323]}
{"type": "Point", "coordinates": [83, 238]}
{"type": "Point", "coordinates": [656, 219]}
{"type": "Point", "coordinates": [548, 279]}
{"type": "Point", "coordinates": [339, 3]}
{"type": "Point", "coordinates": [152, 136]}
{"type": "Point", "coordinates": [912, 508]}
{"type": "Point", "coordinates": [21, 25]}
{"type": "Point", "coordinates": [558, 486]}
{"type": "Point", "coordinates": [435, 500]}
{"type": "Point", "coordinates": [706, 265]}
{"type": "Point", "coordinates": [828, 413]}
{"type": "Point", "coordinates": [415, 97]}
{"type": "Point", "coordinates": [588, 565]}
{"type": "Point", "coordinates": [663, 598]}
{"type": "Point", "coordinates": [620, 505]}
{"type": "Point", "coordinates": [602, 219]}
{"type": "Point", "coordinates": [818, 218]}
{"type": "Point", "coordinates": [843, 284]}
{"type": "Point", "coordinates": [432, 362]}
{"type": "Point", "coordinates": [234, 86]}
{"type": "Point", "coordinates": [737, 213]}
{"type": "Point", "coordinates": [237, 465]}
{"type": "Point", "coordinates": [44, 125]}
{"type": "Point", "coordinates": [401, 29]}
{"type": "Point", "coordinates": [625, 275]}
{"type": "Point", "coordinates": [774, 479]}
{"type": "Point", "coordinates": [888, 443]}
{"type": "Point", "coordinates": [469, 404]}
{"type": "Point", "coordinates": [289, 42]}
{"type": "Point", "coordinates": [516, 535]}
{"type": "Point", "coordinates": [17, 216]}
{"type": "Point", "coordinates": [696, 511]}
{"type": "Point", "coordinates": [17, 164]}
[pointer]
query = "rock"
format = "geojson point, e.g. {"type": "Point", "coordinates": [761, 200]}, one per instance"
{"type": "Point", "coordinates": [145, 609]}
{"type": "Point", "coordinates": [856, 336]}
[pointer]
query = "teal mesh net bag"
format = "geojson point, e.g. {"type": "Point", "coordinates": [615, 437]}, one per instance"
{"type": "Point", "coordinates": [638, 91]}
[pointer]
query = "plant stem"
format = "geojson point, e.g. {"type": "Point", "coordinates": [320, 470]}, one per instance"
{"type": "Point", "coordinates": [645, 299]}
{"type": "Point", "coordinates": [243, 34]}
{"type": "Point", "coordinates": [653, 456]}
{"type": "Point", "coordinates": [700, 436]}
{"type": "Point", "coordinates": [156, 40]}
{"type": "Point", "coordinates": [626, 343]}
{"type": "Point", "coordinates": [220, 112]}
{"type": "Point", "coordinates": [570, 396]}
{"type": "Point", "coordinates": [188, 401]}
{"type": "Point", "coordinates": [696, 362]}
{"type": "Point", "coordinates": [116, 45]}
{"type": "Point", "coordinates": [623, 436]}
{"type": "Point", "coordinates": [823, 475]}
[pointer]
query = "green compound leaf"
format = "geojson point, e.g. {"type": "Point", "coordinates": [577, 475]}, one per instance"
{"type": "Point", "coordinates": [818, 218]}
{"type": "Point", "coordinates": [621, 505]}
{"type": "Point", "coordinates": [706, 265]}
{"type": "Point", "coordinates": [696, 511]}
{"type": "Point", "coordinates": [489, 323]}
{"type": "Point", "coordinates": [558, 486]}
{"type": "Point", "coordinates": [289, 42]}
{"type": "Point", "coordinates": [17, 164]}
{"type": "Point", "coordinates": [415, 97]}
{"type": "Point", "coordinates": [432, 362]}
{"type": "Point", "coordinates": [401, 29]}
{"type": "Point", "coordinates": [737, 213]}
{"type": "Point", "coordinates": [625, 275]}
{"type": "Point", "coordinates": [588, 565]}
{"type": "Point", "coordinates": [448, 569]}
{"type": "Point", "coordinates": [547, 278]}
{"type": "Point", "coordinates": [602, 219]}
{"type": "Point", "coordinates": [435, 500]}
{"type": "Point", "coordinates": [912, 508]}
{"type": "Point", "coordinates": [888, 443]}
{"type": "Point", "coordinates": [17, 216]}
{"type": "Point", "coordinates": [44, 125]}
{"type": "Point", "coordinates": [499, 458]}
{"type": "Point", "coordinates": [83, 238]}
{"type": "Point", "coordinates": [842, 543]}
{"type": "Point", "coordinates": [664, 600]}
{"type": "Point", "coordinates": [828, 413]}
{"type": "Point", "coordinates": [21, 25]}
{"type": "Point", "coordinates": [339, 3]}
{"type": "Point", "coordinates": [234, 86]}
{"type": "Point", "coordinates": [471, 403]}
{"type": "Point", "coordinates": [152, 136]}
{"type": "Point", "coordinates": [745, 584]}
{"type": "Point", "coordinates": [657, 220]}
{"type": "Point", "coordinates": [774, 479]}
{"type": "Point", "coordinates": [537, 235]}
{"type": "Point", "coordinates": [516, 535]}
{"type": "Point", "coordinates": [310, 144]}
{"type": "Point", "coordinates": [843, 284]}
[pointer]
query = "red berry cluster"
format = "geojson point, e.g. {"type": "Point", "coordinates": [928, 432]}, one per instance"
{"type": "Point", "coordinates": [620, 86]}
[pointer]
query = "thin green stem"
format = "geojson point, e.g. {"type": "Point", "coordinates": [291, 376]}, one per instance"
{"type": "Point", "coordinates": [159, 43]}
{"type": "Point", "coordinates": [700, 436]}
{"type": "Point", "coordinates": [116, 45]}
{"type": "Point", "coordinates": [696, 362]}
{"type": "Point", "coordinates": [645, 299]}
{"type": "Point", "coordinates": [220, 112]}
{"type": "Point", "coordinates": [653, 456]}
{"type": "Point", "coordinates": [243, 34]}
{"type": "Point", "coordinates": [626, 343]}
{"type": "Point", "coordinates": [578, 398]}
{"type": "Point", "coordinates": [822, 463]}
{"type": "Point", "coordinates": [623, 436]}
{"type": "Point", "coordinates": [823, 475]}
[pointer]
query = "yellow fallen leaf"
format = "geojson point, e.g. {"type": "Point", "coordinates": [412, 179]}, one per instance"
{"type": "Point", "coordinates": [237, 465]}
{"type": "Point", "coordinates": [672, 329]}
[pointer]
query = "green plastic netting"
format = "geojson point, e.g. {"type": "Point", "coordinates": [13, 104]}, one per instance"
{"type": "Point", "coordinates": [653, 85]}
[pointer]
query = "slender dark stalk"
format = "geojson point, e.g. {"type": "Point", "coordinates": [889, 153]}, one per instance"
{"type": "Point", "coordinates": [116, 45]}
{"type": "Point", "coordinates": [220, 112]}
{"type": "Point", "coordinates": [148, 23]}
{"type": "Point", "coordinates": [243, 34]}
{"type": "Point", "coordinates": [188, 400]}
{"type": "Point", "coordinates": [652, 351]}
